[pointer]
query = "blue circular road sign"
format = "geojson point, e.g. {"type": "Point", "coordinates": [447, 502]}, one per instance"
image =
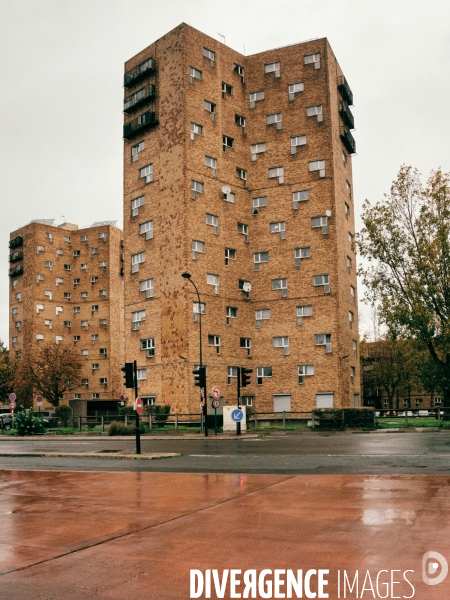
{"type": "Point", "coordinates": [237, 415]}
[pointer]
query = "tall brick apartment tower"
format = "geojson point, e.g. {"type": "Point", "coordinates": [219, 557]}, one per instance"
{"type": "Point", "coordinates": [66, 287]}
{"type": "Point", "coordinates": [238, 169]}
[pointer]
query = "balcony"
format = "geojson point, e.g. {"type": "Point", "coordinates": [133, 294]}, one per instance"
{"type": "Point", "coordinates": [145, 69]}
{"type": "Point", "coordinates": [15, 256]}
{"type": "Point", "coordinates": [16, 242]}
{"type": "Point", "coordinates": [139, 98]}
{"type": "Point", "coordinates": [137, 125]}
{"type": "Point", "coordinates": [346, 114]}
{"type": "Point", "coordinates": [345, 90]}
{"type": "Point", "coordinates": [348, 140]}
{"type": "Point", "coordinates": [17, 270]}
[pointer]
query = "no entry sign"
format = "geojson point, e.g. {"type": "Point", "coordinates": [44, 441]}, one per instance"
{"type": "Point", "coordinates": [138, 406]}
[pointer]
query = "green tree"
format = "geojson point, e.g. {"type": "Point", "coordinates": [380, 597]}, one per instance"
{"type": "Point", "coordinates": [406, 243]}
{"type": "Point", "coordinates": [6, 373]}
{"type": "Point", "coordinates": [51, 370]}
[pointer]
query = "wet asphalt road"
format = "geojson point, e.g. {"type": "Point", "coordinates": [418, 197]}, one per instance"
{"type": "Point", "coordinates": [364, 454]}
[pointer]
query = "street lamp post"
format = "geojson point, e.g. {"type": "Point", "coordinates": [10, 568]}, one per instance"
{"type": "Point", "coordinates": [186, 275]}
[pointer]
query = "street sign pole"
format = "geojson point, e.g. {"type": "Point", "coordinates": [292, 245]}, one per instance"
{"type": "Point", "coordinates": [138, 431]}
{"type": "Point", "coordinates": [238, 424]}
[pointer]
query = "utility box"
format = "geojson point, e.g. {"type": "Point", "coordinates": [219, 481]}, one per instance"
{"type": "Point", "coordinates": [229, 416]}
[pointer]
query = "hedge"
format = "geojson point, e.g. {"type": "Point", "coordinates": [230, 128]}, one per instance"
{"type": "Point", "coordinates": [343, 418]}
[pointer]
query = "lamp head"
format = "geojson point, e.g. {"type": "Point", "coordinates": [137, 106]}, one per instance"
{"type": "Point", "coordinates": [186, 275]}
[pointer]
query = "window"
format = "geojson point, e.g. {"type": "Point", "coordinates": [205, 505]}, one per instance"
{"type": "Point", "coordinates": [277, 172]}
{"type": "Point", "coordinates": [196, 130]}
{"type": "Point", "coordinates": [296, 142]}
{"type": "Point", "coordinates": [227, 142]}
{"type": "Point", "coordinates": [300, 253]}
{"type": "Point", "coordinates": [147, 286]}
{"type": "Point", "coordinates": [19, 297]}
{"type": "Point", "coordinates": [274, 119]}
{"type": "Point", "coordinates": [210, 55]}
{"type": "Point", "coordinates": [76, 282]}
{"type": "Point", "coordinates": [47, 293]}
{"type": "Point", "coordinates": [95, 395]}
{"type": "Point", "coordinates": [247, 344]}
{"type": "Point", "coordinates": [351, 318]}
{"type": "Point", "coordinates": [198, 309]}
{"type": "Point", "coordinates": [102, 236]}
{"type": "Point", "coordinates": [146, 173]}
{"type": "Point", "coordinates": [18, 325]}
{"type": "Point", "coordinates": [213, 221]}
{"type": "Point", "coordinates": [239, 70]}
{"type": "Point", "coordinates": [213, 280]}
{"type": "Point", "coordinates": [351, 239]}
{"type": "Point", "coordinates": [279, 227]}
{"type": "Point", "coordinates": [282, 342]}
{"type": "Point", "coordinates": [18, 353]}
{"type": "Point", "coordinates": [136, 260]}
{"type": "Point", "coordinates": [85, 382]}
{"type": "Point", "coordinates": [94, 337]}
{"type": "Point", "coordinates": [280, 284]}
{"type": "Point", "coordinates": [324, 280]}
{"type": "Point", "coordinates": [39, 278]}
{"type": "Point", "coordinates": [246, 400]}
{"type": "Point", "coordinates": [231, 313]}
{"type": "Point", "coordinates": [346, 210]}
{"type": "Point", "coordinates": [239, 120]}
{"type": "Point", "coordinates": [349, 264]}
{"type": "Point", "coordinates": [102, 293]}
{"type": "Point", "coordinates": [261, 315]}
{"type": "Point", "coordinates": [48, 323]}
{"type": "Point", "coordinates": [60, 252]}
{"type": "Point", "coordinates": [295, 88]}
{"type": "Point", "coordinates": [230, 254]}
{"type": "Point", "coordinates": [243, 230]}
{"type": "Point", "coordinates": [352, 291]}
{"type": "Point", "coordinates": [194, 74]}
{"type": "Point", "coordinates": [352, 374]}
{"type": "Point", "coordinates": [315, 111]}
{"type": "Point", "coordinates": [196, 188]}
{"type": "Point", "coordinates": [344, 158]}
{"type": "Point", "coordinates": [305, 371]}
{"type": "Point", "coordinates": [242, 174]}
{"type": "Point", "coordinates": [323, 339]}
{"type": "Point", "coordinates": [103, 352]}
{"type": "Point", "coordinates": [15, 283]}
{"type": "Point", "coordinates": [49, 236]}
{"type": "Point", "coordinates": [136, 318]}
{"type": "Point", "coordinates": [318, 165]}
{"type": "Point", "coordinates": [67, 239]}
{"type": "Point", "coordinates": [59, 339]}
{"type": "Point", "coordinates": [135, 204]}
{"type": "Point", "coordinates": [85, 324]}
{"type": "Point", "coordinates": [58, 309]}
{"type": "Point", "coordinates": [313, 59]}
{"type": "Point", "coordinates": [232, 374]}
{"type": "Point", "coordinates": [49, 264]}
{"type": "Point", "coordinates": [39, 307]}
{"type": "Point", "coordinates": [15, 339]}
{"type": "Point", "coordinates": [136, 149]}
{"type": "Point", "coordinates": [214, 340]}
{"type": "Point", "coordinates": [257, 149]}
{"type": "Point", "coordinates": [260, 257]}
{"type": "Point", "coordinates": [303, 311]}
{"type": "Point", "coordinates": [212, 164]}
{"type": "Point", "coordinates": [273, 68]}
{"type": "Point", "coordinates": [76, 338]}
{"type": "Point", "coordinates": [322, 222]}
{"type": "Point", "coordinates": [94, 308]}
{"type": "Point", "coordinates": [261, 373]}
{"type": "Point", "coordinates": [259, 202]}
{"type": "Point", "coordinates": [102, 264]}
{"type": "Point", "coordinates": [104, 381]}
{"type": "Point", "coordinates": [354, 346]}
{"type": "Point", "coordinates": [197, 246]}
{"type": "Point", "coordinates": [103, 323]}
{"type": "Point", "coordinates": [94, 251]}
{"type": "Point", "coordinates": [256, 97]}
{"type": "Point", "coordinates": [76, 253]}
{"type": "Point", "coordinates": [227, 90]}
{"type": "Point", "coordinates": [68, 296]}
{"type": "Point", "coordinates": [210, 107]}
{"type": "Point", "coordinates": [148, 345]}
{"type": "Point", "coordinates": [300, 196]}
{"type": "Point", "coordinates": [146, 229]}
{"type": "Point", "coordinates": [39, 249]}
{"type": "Point", "coordinates": [84, 295]}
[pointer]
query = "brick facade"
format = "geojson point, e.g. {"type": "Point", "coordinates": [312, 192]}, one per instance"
{"type": "Point", "coordinates": [177, 157]}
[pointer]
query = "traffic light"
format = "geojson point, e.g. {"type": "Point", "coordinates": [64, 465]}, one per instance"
{"type": "Point", "coordinates": [200, 377]}
{"type": "Point", "coordinates": [245, 376]}
{"type": "Point", "coordinates": [127, 370]}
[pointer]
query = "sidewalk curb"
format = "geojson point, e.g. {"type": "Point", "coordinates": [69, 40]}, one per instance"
{"type": "Point", "coordinates": [99, 454]}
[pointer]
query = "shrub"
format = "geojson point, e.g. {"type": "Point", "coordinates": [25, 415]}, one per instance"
{"type": "Point", "coordinates": [27, 424]}
{"type": "Point", "coordinates": [159, 414]}
{"type": "Point", "coordinates": [118, 428]}
{"type": "Point", "coordinates": [343, 418]}
{"type": "Point", "coordinates": [63, 413]}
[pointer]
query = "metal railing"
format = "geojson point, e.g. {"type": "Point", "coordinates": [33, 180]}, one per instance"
{"type": "Point", "coordinates": [142, 121]}
{"type": "Point", "coordinates": [344, 89]}
{"type": "Point", "coordinates": [135, 100]}
{"type": "Point", "coordinates": [348, 139]}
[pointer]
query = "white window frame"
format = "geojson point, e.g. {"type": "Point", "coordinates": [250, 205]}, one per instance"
{"type": "Point", "coordinates": [300, 254]}
{"type": "Point", "coordinates": [280, 284]}
{"type": "Point", "coordinates": [275, 119]}
{"type": "Point", "coordinates": [210, 107]}
{"type": "Point", "coordinates": [197, 246]}
{"type": "Point", "coordinates": [147, 286]}
{"type": "Point", "coordinates": [136, 318]}
{"type": "Point", "coordinates": [209, 54]}
{"type": "Point", "coordinates": [197, 187]}
{"type": "Point", "coordinates": [213, 221]}
{"type": "Point", "coordinates": [312, 59]}
{"type": "Point", "coordinates": [256, 97]}
{"type": "Point", "coordinates": [323, 281]}
{"type": "Point", "coordinates": [135, 204]}
{"type": "Point", "coordinates": [295, 88]}
{"type": "Point", "coordinates": [282, 342]}
{"type": "Point", "coordinates": [230, 313]}
{"type": "Point", "coordinates": [232, 373]}
{"type": "Point", "coordinates": [256, 149]}
{"type": "Point", "coordinates": [194, 74]}
{"type": "Point", "coordinates": [315, 111]}
{"type": "Point", "coordinates": [296, 142]}
{"type": "Point", "coordinates": [146, 173]}
{"type": "Point", "coordinates": [303, 371]}
{"type": "Point", "coordinates": [136, 260]}
{"type": "Point", "coordinates": [276, 172]}
{"type": "Point", "coordinates": [243, 230]}
{"type": "Point", "coordinates": [146, 229]}
{"type": "Point", "coordinates": [260, 257]}
{"type": "Point", "coordinates": [214, 341]}
{"type": "Point", "coordinates": [263, 373]}
{"type": "Point", "coordinates": [273, 67]}
{"type": "Point", "coordinates": [262, 314]}
{"type": "Point", "coordinates": [148, 345]}
{"type": "Point", "coordinates": [324, 339]}
{"type": "Point", "coordinates": [317, 165]}
{"type": "Point", "coordinates": [195, 129]}
{"type": "Point", "coordinates": [212, 164]}
{"type": "Point", "coordinates": [320, 223]}
{"type": "Point", "coordinates": [259, 202]}
{"type": "Point", "coordinates": [302, 312]}
{"type": "Point", "coordinates": [230, 254]}
{"type": "Point", "coordinates": [213, 280]}
{"type": "Point", "coordinates": [278, 227]}
{"type": "Point", "coordinates": [135, 149]}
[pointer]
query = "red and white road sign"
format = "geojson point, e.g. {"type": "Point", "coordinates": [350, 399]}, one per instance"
{"type": "Point", "coordinates": [138, 406]}
{"type": "Point", "coordinates": [216, 392]}
{"type": "Point", "coordinates": [215, 403]}
{"type": "Point", "coordinates": [39, 399]}
{"type": "Point", "coordinates": [12, 396]}
{"type": "Point", "coordinates": [12, 405]}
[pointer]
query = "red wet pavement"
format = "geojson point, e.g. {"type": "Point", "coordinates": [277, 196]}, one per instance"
{"type": "Point", "coordinates": [77, 535]}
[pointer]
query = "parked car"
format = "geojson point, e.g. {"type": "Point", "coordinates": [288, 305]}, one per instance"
{"type": "Point", "coordinates": [48, 417]}
{"type": "Point", "coordinates": [6, 421]}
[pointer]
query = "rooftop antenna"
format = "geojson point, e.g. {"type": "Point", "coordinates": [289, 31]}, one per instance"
{"type": "Point", "coordinates": [222, 36]}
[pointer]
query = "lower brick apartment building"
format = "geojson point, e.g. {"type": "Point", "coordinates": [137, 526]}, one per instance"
{"type": "Point", "coordinates": [238, 170]}
{"type": "Point", "coordinates": [66, 286]}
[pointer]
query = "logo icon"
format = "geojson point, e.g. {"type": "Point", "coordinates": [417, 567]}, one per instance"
{"type": "Point", "coordinates": [430, 566]}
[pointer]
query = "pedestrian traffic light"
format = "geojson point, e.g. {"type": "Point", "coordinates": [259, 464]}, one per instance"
{"type": "Point", "coordinates": [200, 377]}
{"type": "Point", "coordinates": [245, 376]}
{"type": "Point", "coordinates": [127, 370]}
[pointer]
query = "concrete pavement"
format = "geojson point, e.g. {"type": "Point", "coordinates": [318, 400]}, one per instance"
{"type": "Point", "coordinates": [77, 535]}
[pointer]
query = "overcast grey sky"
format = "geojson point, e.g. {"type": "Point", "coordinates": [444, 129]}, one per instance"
{"type": "Point", "coordinates": [62, 70]}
